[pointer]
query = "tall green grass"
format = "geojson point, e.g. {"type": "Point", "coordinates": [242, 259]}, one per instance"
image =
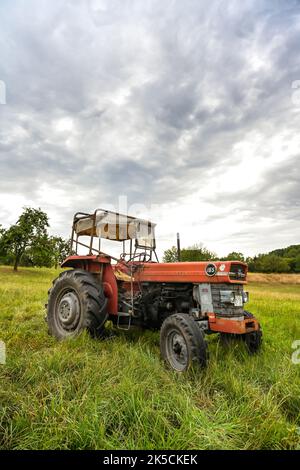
{"type": "Point", "coordinates": [117, 394]}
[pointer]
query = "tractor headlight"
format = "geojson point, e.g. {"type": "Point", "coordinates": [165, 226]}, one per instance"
{"type": "Point", "coordinates": [235, 298]}
{"type": "Point", "coordinates": [227, 296]}
{"type": "Point", "coordinates": [245, 297]}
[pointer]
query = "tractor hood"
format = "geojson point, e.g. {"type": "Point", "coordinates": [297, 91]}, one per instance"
{"type": "Point", "coordinates": [195, 272]}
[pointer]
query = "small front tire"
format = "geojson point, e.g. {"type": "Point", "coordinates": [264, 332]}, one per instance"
{"type": "Point", "coordinates": [253, 341]}
{"type": "Point", "coordinates": [182, 343]}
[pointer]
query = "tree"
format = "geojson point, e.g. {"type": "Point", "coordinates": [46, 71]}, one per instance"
{"type": "Point", "coordinates": [269, 264]}
{"type": "Point", "coordinates": [46, 251]}
{"type": "Point", "coordinates": [275, 264]}
{"type": "Point", "coordinates": [197, 252]}
{"type": "Point", "coordinates": [290, 252]}
{"type": "Point", "coordinates": [297, 264]}
{"type": "Point", "coordinates": [39, 254]}
{"type": "Point", "coordinates": [60, 250]}
{"type": "Point", "coordinates": [2, 232]}
{"type": "Point", "coordinates": [170, 255]}
{"type": "Point", "coordinates": [27, 233]}
{"type": "Point", "coordinates": [235, 256]}
{"type": "Point", "coordinates": [193, 253]}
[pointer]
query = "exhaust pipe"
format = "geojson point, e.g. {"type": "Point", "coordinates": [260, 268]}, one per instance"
{"type": "Point", "coordinates": [178, 248]}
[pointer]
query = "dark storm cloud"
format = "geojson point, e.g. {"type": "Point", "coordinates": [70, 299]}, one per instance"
{"type": "Point", "coordinates": [148, 99]}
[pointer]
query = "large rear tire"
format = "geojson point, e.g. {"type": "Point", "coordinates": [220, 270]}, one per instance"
{"type": "Point", "coordinates": [76, 302]}
{"type": "Point", "coordinates": [182, 343]}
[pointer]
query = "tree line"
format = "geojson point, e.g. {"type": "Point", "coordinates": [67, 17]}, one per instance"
{"type": "Point", "coordinates": [28, 243]}
{"type": "Point", "coordinates": [284, 260]}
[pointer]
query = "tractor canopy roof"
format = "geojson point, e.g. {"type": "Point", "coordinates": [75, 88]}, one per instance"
{"type": "Point", "coordinates": [114, 226]}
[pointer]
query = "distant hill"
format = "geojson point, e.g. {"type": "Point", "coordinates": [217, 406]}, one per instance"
{"type": "Point", "coordinates": [282, 260]}
{"type": "Point", "coordinates": [290, 252]}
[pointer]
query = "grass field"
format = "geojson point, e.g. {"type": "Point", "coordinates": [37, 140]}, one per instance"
{"type": "Point", "coordinates": [116, 394]}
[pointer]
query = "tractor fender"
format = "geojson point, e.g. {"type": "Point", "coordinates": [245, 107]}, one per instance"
{"type": "Point", "coordinates": [98, 265]}
{"type": "Point", "coordinates": [110, 288]}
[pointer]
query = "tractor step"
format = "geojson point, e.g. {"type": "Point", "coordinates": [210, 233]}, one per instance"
{"type": "Point", "coordinates": [121, 325]}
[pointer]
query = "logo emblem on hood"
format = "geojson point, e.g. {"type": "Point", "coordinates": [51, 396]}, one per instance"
{"type": "Point", "coordinates": [211, 269]}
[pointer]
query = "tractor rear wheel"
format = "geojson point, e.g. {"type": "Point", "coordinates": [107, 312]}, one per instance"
{"type": "Point", "coordinates": [182, 343]}
{"type": "Point", "coordinates": [76, 302]}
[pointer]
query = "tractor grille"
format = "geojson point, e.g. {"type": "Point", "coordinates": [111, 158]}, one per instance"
{"type": "Point", "coordinates": [224, 309]}
{"type": "Point", "coordinates": [237, 272]}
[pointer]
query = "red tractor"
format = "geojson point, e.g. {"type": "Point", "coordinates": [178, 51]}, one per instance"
{"type": "Point", "coordinates": [185, 300]}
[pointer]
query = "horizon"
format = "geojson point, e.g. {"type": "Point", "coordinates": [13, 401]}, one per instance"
{"type": "Point", "coordinates": [113, 244]}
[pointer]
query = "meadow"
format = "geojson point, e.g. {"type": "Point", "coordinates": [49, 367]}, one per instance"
{"type": "Point", "coordinates": [117, 394]}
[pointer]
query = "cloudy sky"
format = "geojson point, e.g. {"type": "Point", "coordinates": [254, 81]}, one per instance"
{"type": "Point", "coordinates": [187, 112]}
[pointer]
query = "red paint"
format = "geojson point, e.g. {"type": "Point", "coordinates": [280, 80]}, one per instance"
{"type": "Point", "coordinates": [224, 325]}
{"type": "Point", "coordinates": [191, 272]}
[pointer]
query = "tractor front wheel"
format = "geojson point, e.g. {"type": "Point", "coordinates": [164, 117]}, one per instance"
{"type": "Point", "coordinates": [253, 341]}
{"type": "Point", "coordinates": [182, 343]}
{"type": "Point", "coordinates": [76, 302]}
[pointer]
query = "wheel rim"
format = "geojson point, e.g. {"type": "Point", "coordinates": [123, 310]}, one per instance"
{"type": "Point", "coordinates": [68, 311]}
{"type": "Point", "coordinates": [177, 351]}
